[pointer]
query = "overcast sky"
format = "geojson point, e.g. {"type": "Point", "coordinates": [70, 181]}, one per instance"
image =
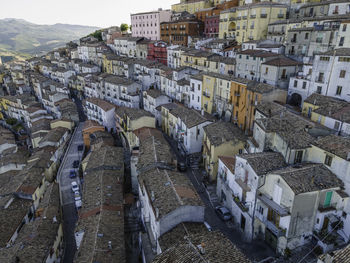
{"type": "Point", "coordinates": [101, 13]}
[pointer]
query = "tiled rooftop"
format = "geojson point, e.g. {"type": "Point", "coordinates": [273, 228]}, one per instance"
{"type": "Point", "coordinates": [309, 177]}
{"type": "Point", "coordinates": [264, 162]}
{"type": "Point", "coordinates": [337, 145]}
{"type": "Point", "coordinates": [171, 190]}
{"type": "Point", "coordinates": [101, 218]}
{"type": "Point", "coordinates": [222, 132]}
{"type": "Point", "coordinates": [202, 248]}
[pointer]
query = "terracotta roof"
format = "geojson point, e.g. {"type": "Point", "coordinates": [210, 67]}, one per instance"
{"type": "Point", "coordinates": [282, 62]}
{"type": "Point", "coordinates": [229, 162]}
{"type": "Point", "coordinates": [105, 105]}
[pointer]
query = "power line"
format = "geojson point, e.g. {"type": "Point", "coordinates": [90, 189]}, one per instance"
{"type": "Point", "coordinates": [321, 240]}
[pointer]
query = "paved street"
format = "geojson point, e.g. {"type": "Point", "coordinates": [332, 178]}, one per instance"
{"type": "Point", "coordinates": [256, 250]}
{"type": "Point", "coordinates": [67, 199]}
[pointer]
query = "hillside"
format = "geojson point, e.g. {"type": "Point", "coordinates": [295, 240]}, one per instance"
{"type": "Point", "coordinates": [17, 35]}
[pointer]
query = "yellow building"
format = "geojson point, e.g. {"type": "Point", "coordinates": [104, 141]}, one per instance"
{"type": "Point", "coordinates": [197, 59]}
{"type": "Point", "coordinates": [191, 6]}
{"type": "Point", "coordinates": [215, 87]}
{"type": "Point", "coordinates": [250, 22]}
{"type": "Point", "coordinates": [169, 120]}
{"type": "Point", "coordinates": [221, 139]}
{"type": "Point", "coordinates": [245, 95]}
{"type": "Point", "coordinates": [130, 119]}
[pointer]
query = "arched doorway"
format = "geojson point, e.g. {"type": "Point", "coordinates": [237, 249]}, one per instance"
{"type": "Point", "coordinates": [295, 100]}
{"type": "Point", "coordinates": [232, 29]}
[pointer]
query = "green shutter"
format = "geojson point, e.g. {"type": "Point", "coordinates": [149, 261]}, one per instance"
{"type": "Point", "coordinates": [328, 199]}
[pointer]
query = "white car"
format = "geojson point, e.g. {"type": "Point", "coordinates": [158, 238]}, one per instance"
{"type": "Point", "coordinates": [78, 204]}
{"type": "Point", "coordinates": [75, 186]}
{"type": "Point", "coordinates": [77, 196]}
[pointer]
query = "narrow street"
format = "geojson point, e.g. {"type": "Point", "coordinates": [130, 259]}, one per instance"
{"type": "Point", "coordinates": [67, 198]}
{"type": "Point", "coordinates": [256, 250]}
{"type": "Point", "coordinates": [70, 215]}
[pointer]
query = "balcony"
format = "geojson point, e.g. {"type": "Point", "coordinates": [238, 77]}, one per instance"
{"type": "Point", "coordinates": [319, 80]}
{"type": "Point", "coordinates": [231, 30]}
{"type": "Point", "coordinates": [293, 40]}
{"type": "Point", "coordinates": [239, 18]}
{"type": "Point", "coordinates": [278, 231]}
{"type": "Point", "coordinates": [252, 16]}
{"type": "Point", "coordinates": [244, 17]}
{"type": "Point", "coordinates": [263, 15]}
{"type": "Point", "coordinates": [206, 94]}
{"type": "Point", "coordinates": [280, 15]}
{"type": "Point", "coordinates": [327, 208]}
{"type": "Point", "coordinates": [237, 94]}
{"type": "Point", "coordinates": [240, 204]}
{"type": "Point", "coordinates": [251, 27]}
{"type": "Point", "coordinates": [232, 19]}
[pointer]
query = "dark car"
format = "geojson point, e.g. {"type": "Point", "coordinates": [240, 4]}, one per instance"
{"type": "Point", "coordinates": [80, 147]}
{"type": "Point", "coordinates": [181, 166]}
{"type": "Point", "coordinates": [72, 174]}
{"type": "Point", "coordinates": [76, 164]}
{"type": "Point", "coordinates": [223, 213]}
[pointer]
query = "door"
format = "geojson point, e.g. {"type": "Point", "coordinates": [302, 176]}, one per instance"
{"type": "Point", "coordinates": [270, 239]}
{"type": "Point", "coordinates": [242, 222]}
{"type": "Point", "coordinates": [327, 200]}
{"type": "Point", "coordinates": [309, 112]}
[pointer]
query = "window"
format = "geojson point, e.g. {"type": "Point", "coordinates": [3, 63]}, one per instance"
{"type": "Point", "coordinates": [198, 99]}
{"type": "Point", "coordinates": [339, 89]}
{"type": "Point", "coordinates": [336, 125]}
{"type": "Point", "coordinates": [344, 59]}
{"type": "Point", "coordinates": [266, 70]}
{"type": "Point", "coordinates": [306, 35]}
{"type": "Point", "coordinates": [319, 90]}
{"type": "Point", "coordinates": [328, 160]}
{"type": "Point", "coordinates": [320, 77]}
{"type": "Point", "coordinates": [344, 27]}
{"type": "Point", "coordinates": [295, 83]}
{"type": "Point", "coordinates": [342, 74]}
{"type": "Point", "coordinates": [304, 85]}
{"type": "Point", "coordinates": [324, 58]}
{"type": "Point", "coordinates": [341, 41]}
{"type": "Point", "coordinates": [298, 157]}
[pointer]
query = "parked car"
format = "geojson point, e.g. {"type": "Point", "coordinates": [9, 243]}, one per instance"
{"type": "Point", "coordinates": [75, 186]}
{"type": "Point", "coordinates": [76, 164]}
{"type": "Point", "coordinates": [181, 166]}
{"type": "Point", "coordinates": [72, 174]}
{"type": "Point", "coordinates": [80, 147]}
{"type": "Point", "coordinates": [77, 195]}
{"type": "Point", "coordinates": [78, 204]}
{"type": "Point", "coordinates": [223, 213]}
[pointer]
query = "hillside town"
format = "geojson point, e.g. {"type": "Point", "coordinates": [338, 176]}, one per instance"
{"type": "Point", "coordinates": [214, 131]}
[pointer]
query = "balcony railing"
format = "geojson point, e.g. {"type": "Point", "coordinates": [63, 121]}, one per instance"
{"type": "Point", "coordinates": [263, 15]}
{"type": "Point", "coordinates": [206, 94]}
{"type": "Point", "coordinates": [240, 204]}
{"type": "Point", "coordinates": [280, 15]}
{"type": "Point", "coordinates": [252, 16]}
{"type": "Point", "coordinates": [326, 208]}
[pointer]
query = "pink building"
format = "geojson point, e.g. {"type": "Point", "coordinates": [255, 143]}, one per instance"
{"type": "Point", "coordinates": [147, 24]}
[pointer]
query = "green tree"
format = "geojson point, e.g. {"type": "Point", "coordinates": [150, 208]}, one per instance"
{"type": "Point", "coordinates": [124, 27]}
{"type": "Point", "coordinates": [97, 34]}
{"type": "Point", "coordinates": [130, 27]}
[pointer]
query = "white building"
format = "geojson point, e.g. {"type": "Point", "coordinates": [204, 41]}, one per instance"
{"type": "Point", "coordinates": [148, 24]}
{"type": "Point", "coordinates": [164, 203]}
{"type": "Point", "coordinates": [100, 111]}
{"type": "Point", "coordinates": [238, 181]}
{"type": "Point", "coordinates": [153, 98]}
{"type": "Point", "coordinates": [331, 74]}
{"type": "Point", "coordinates": [196, 84]}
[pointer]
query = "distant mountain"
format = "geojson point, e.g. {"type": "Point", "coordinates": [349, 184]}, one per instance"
{"type": "Point", "coordinates": [24, 37]}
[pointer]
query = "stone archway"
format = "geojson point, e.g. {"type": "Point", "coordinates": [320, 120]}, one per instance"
{"type": "Point", "coordinates": [295, 100]}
